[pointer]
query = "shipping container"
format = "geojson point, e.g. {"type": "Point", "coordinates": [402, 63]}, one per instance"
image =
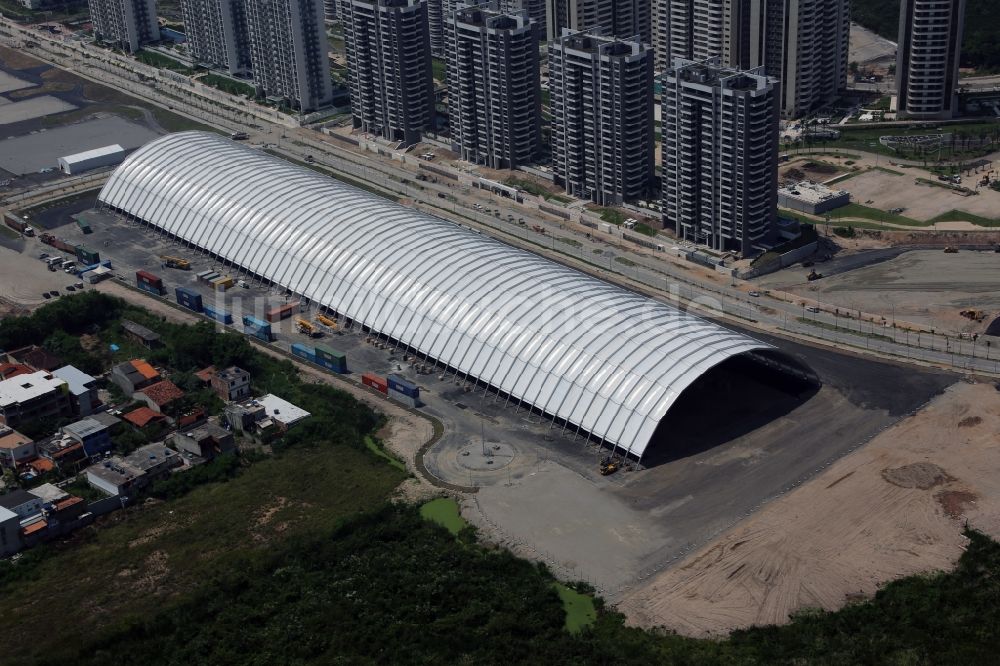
{"type": "Point", "coordinates": [207, 277]}
{"type": "Point", "coordinates": [403, 386]}
{"type": "Point", "coordinates": [189, 299]}
{"type": "Point", "coordinates": [257, 328]}
{"type": "Point", "coordinates": [407, 400]}
{"type": "Point", "coordinates": [218, 314]}
{"type": "Point", "coordinates": [304, 351]}
{"type": "Point", "coordinates": [374, 381]}
{"type": "Point", "coordinates": [222, 283]}
{"type": "Point", "coordinates": [282, 311]}
{"type": "Point", "coordinates": [202, 275]}
{"type": "Point", "coordinates": [86, 256]}
{"type": "Point", "coordinates": [84, 226]}
{"type": "Point", "coordinates": [331, 358]}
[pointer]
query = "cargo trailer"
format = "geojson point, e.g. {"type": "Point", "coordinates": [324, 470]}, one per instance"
{"type": "Point", "coordinates": [282, 311]}
{"type": "Point", "coordinates": [331, 359]}
{"type": "Point", "coordinates": [149, 282]}
{"type": "Point", "coordinates": [404, 386]}
{"type": "Point", "coordinates": [407, 400]}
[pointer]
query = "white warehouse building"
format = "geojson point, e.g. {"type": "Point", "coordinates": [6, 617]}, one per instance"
{"type": "Point", "coordinates": [593, 357]}
{"type": "Point", "coordinates": [92, 159]}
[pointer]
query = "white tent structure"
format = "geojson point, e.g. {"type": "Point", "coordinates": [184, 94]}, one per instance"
{"type": "Point", "coordinates": [592, 356]}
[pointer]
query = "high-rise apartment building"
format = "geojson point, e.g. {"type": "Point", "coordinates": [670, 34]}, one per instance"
{"type": "Point", "coordinates": [493, 90]}
{"type": "Point", "coordinates": [535, 9]}
{"type": "Point", "coordinates": [216, 33]}
{"type": "Point", "coordinates": [389, 64]}
{"type": "Point", "coordinates": [288, 50]}
{"type": "Point", "coordinates": [803, 43]}
{"type": "Point", "coordinates": [128, 24]}
{"type": "Point", "coordinates": [720, 154]}
{"type": "Point", "coordinates": [624, 19]}
{"type": "Point", "coordinates": [930, 40]}
{"type": "Point", "coordinates": [693, 29]}
{"type": "Point", "coordinates": [601, 100]}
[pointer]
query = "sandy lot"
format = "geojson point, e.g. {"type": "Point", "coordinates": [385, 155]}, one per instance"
{"type": "Point", "coordinates": [43, 105]}
{"type": "Point", "coordinates": [926, 287]}
{"type": "Point", "coordinates": [866, 46]}
{"type": "Point", "coordinates": [921, 202]}
{"type": "Point", "coordinates": [893, 508]}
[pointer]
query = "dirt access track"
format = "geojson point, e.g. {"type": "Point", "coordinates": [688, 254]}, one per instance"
{"type": "Point", "coordinates": [895, 507]}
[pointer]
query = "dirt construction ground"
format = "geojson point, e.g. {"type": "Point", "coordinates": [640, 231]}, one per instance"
{"type": "Point", "coordinates": [926, 287]}
{"type": "Point", "coordinates": [920, 202]}
{"type": "Point", "coordinates": [893, 508]}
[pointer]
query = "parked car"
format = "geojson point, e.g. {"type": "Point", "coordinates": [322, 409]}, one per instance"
{"type": "Point", "coordinates": [812, 308]}
{"type": "Point", "coordinates": [78, 285]}
{"type": "Point", "coordinates": [755, 294]}
{"type": "Point", "coordinates": [70, 288]}
{"type": "Point", "coordinates": [54, 292]}
{"type": "Point", "coordinates": [43, 255]}
{"type": "Point", "coordinates": [46, 295]}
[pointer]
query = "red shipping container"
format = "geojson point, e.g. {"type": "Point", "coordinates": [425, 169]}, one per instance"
{"type": "Point", "coordinates": [375, 382]}
{"type": "Point", "coordinates": [148, 278]}
{"type": "Point", "coordinates": [281, 312]}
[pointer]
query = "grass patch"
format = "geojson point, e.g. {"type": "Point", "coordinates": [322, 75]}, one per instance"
{"type": "Point", "coordinates": [160, 61]}
{"type": "Point", "coordinates": [444, 511]}
{"type": "Point", "coordinates": [173, 122]}
{"type": "Point", "coordinates": [963, 216]}
{"type": "Point", "coordinates": [228, 85]}
{"type": "Point", "coordinates": [867, 213]}
{"type": "Point", "coordinates": [375, 448]}
{"type": "Point", "coordinates": [612, 215]}
{"type": "Point", "coordinates": [532, 187]}
{"type": "Point", "coordinates": [439, 69]}
{"type": "Point", "coordinates": [645, 229]}
{"type": "Point", "coordinates": [569, 241]}
{"type": "Point", "coordinates": [625, 261]}
{"type": "Point", "coordinates": [580, 609]}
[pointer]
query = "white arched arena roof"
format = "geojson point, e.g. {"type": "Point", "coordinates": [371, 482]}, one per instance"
{"type": "Point", "coordinates": [603, 359]}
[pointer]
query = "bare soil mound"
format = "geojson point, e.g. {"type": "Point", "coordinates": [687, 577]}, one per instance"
{"type": "Point", "coordinates": [922, 475]}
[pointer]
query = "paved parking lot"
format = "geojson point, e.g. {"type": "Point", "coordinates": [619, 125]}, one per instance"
{"type": "Point", "coordinates": [29, 153]}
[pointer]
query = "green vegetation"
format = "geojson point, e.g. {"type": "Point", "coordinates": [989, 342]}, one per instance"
{"type": "Point", "coordinates": [228, 85]}
{"type": "Point", "coordinates": [971, 139]}
{"type": "Point", "coordinates": [963, 216]}
{"type": "Point", "coordinates": [867, 213]}
{"type": "Point", "coordinates": [532, 187]}
{"type": "Point", "coordinates": [439, 69]}
{"type": "Point", "coordinates": [160, 61]}
{"type": "Point", "coordinates": [645, 229]}
{"type": "Point", "coordinates": [625, 261]}
{"type": "Point", "coordinates": [612, 215]}
{"type": "Point", "coordinates": [580, 609]}
{"type": "Point", "coordinates": [834, 327]}
{"type": "Point", "coordinates": [444, 511]}
{"type": "Point", "coordinates": [980, 47]}
{"type": "Point", "coordinates": [376, 448]}
{"type": "Point", "coordinates": [891, 172]}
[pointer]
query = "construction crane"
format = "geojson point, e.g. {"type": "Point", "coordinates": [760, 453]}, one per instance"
{"type": "Point", "coordinates": [175, 262]}
{"type": "Point", "coordinates": [326, 321]}
{"type": "Point", "coordinates": [307, 328]}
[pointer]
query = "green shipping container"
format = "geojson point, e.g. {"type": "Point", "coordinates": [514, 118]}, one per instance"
{"type": "Point", "coordinates": [87, 257]}
{"type": "Point", "coordinates": [84, 226]}
{"type": "Point", "coordinates": [331, 358]}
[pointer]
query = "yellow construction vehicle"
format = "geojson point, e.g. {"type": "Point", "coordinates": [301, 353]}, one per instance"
{"type": "Point", "coordinates": [306, 327]}
{"type": "Point", "coordinates": [326, 321]}
{"type": "Point", "coordinates": [609, 466]}
{"type": "Point", "coordinates": [974, 315]}
{"type": "Point", "coordinates": [175, 262]}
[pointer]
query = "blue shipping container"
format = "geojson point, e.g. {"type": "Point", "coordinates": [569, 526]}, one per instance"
{"type": "Point", "coordinates": [145, 286]}
{"type": "Point", "coordinates": [304, 351]}
{"type": "Point", "coordinates": [254, 322]}
{"type": "Point", "coordinates": [406, 387]}
{"type": "Point", "coordinates": [259, 333]}
{"type": "Point", "coordinates": [189, 299]}
{"type": "Point", "coordinates": [218, 314]}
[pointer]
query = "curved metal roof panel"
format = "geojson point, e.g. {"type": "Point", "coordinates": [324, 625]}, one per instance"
{"type": "Point", "coordinates": [602, 358]}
